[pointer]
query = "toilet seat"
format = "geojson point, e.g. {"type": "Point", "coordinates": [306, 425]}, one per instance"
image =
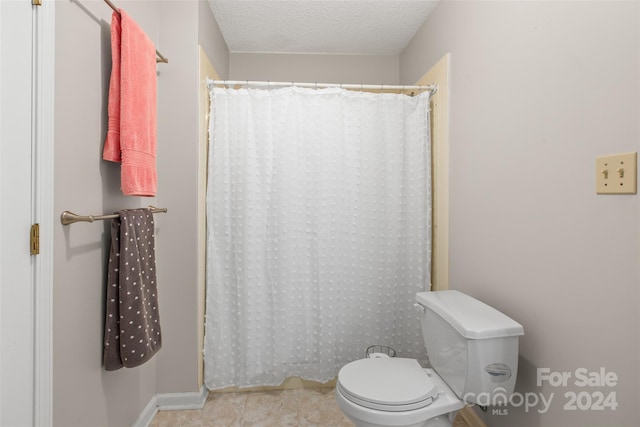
{"type": "Point", "coordinates": [387, 384]}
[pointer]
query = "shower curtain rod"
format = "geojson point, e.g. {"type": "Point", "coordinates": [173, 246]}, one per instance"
{"type": "Point", "coordinates": [432, 88]}
{"type": "Point", "coordinates": [160, 57]}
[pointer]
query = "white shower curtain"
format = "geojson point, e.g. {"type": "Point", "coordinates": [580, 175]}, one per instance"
{"type": "Point", "coordinates": [318, 231]}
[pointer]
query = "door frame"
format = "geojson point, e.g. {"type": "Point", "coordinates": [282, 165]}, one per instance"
{"type": "Point", "coordinates": [439, 75]}
{"type": "Point", "coordinates": [39, 72]}
{"type": "Point", "coordinates": [43, 112]}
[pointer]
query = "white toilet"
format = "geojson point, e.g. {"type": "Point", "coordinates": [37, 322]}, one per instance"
{"type": "Point", "coordinates": [473, 351]}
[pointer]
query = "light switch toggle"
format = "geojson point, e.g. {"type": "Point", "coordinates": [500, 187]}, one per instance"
{"type": "Point", "coordinates": [623, 180]}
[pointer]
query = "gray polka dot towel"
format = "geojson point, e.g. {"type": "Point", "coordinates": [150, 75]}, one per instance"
{"type": "Point", "coordinates": [132, 328]}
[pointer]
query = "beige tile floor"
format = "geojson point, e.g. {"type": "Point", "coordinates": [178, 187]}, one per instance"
{"type": "Point", "coordinates": [307, 407]}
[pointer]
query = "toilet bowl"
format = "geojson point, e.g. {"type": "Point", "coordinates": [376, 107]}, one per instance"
{"type": "Point", "coordinates": [473, 350]}
{"type": "Point", "coordinates": [395, 392]}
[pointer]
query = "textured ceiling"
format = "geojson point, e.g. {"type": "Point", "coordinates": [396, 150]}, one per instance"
{"type": "Point", "coordinates": [373, 27]}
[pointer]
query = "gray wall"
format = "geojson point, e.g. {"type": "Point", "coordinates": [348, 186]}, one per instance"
{"type": "Point", "coordinates": [211, 40]}
{"type": "Point", "coordinates": [367, 69]}
{"type": "Point", "coordinates": [177, 191]}
{"type": "Point", "coordinates": [538, 90]}
{"type": "Point", "coordinates": [85, 394]}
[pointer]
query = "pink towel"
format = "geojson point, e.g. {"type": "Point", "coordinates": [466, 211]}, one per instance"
{"type": "Point", "coordinates": [131, 135]}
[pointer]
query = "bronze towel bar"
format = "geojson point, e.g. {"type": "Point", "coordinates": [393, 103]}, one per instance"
{"type": "Point", "coordinates": [161, 57]}
{"type": "Point", "coordinates": [69, 217]}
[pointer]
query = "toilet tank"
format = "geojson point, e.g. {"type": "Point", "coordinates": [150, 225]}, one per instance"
{"type": "Point", "coordinates": [472, 346]}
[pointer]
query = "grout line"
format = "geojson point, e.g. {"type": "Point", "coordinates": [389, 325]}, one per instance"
{"type": "Point", "coordinates": [300, 405]}
{"type": "Point", "coordinates": [183, 423]}
{"type": "Point", "coordinates": [244, 406]}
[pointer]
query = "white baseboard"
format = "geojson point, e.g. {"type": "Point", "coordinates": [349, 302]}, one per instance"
{"type": "Point", "coordinates": [147, 414]}
{"type": "Point", "coordinates": [171, 402]}
{"type": "Point", "coordinates": [179, 401]}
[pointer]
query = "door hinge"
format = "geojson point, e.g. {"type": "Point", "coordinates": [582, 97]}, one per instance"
{"type": "Point", "coordinates": [36, 2]}
{"type": "Point", "coordinates": [34, 238]}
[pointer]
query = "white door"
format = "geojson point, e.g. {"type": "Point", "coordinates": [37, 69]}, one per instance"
{"type": "Point", "coordinates": [16, 213]}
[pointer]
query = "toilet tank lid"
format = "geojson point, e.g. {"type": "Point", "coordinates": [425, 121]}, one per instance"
{"type": "Point", "coordinates": [472, 319]}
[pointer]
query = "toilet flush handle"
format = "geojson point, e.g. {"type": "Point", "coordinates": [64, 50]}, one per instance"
{"type": "Point", "coordinates": [419, 307]}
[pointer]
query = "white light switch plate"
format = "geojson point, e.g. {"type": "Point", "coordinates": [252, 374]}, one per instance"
{"type": "Point", "coordinates": [616, 174]}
